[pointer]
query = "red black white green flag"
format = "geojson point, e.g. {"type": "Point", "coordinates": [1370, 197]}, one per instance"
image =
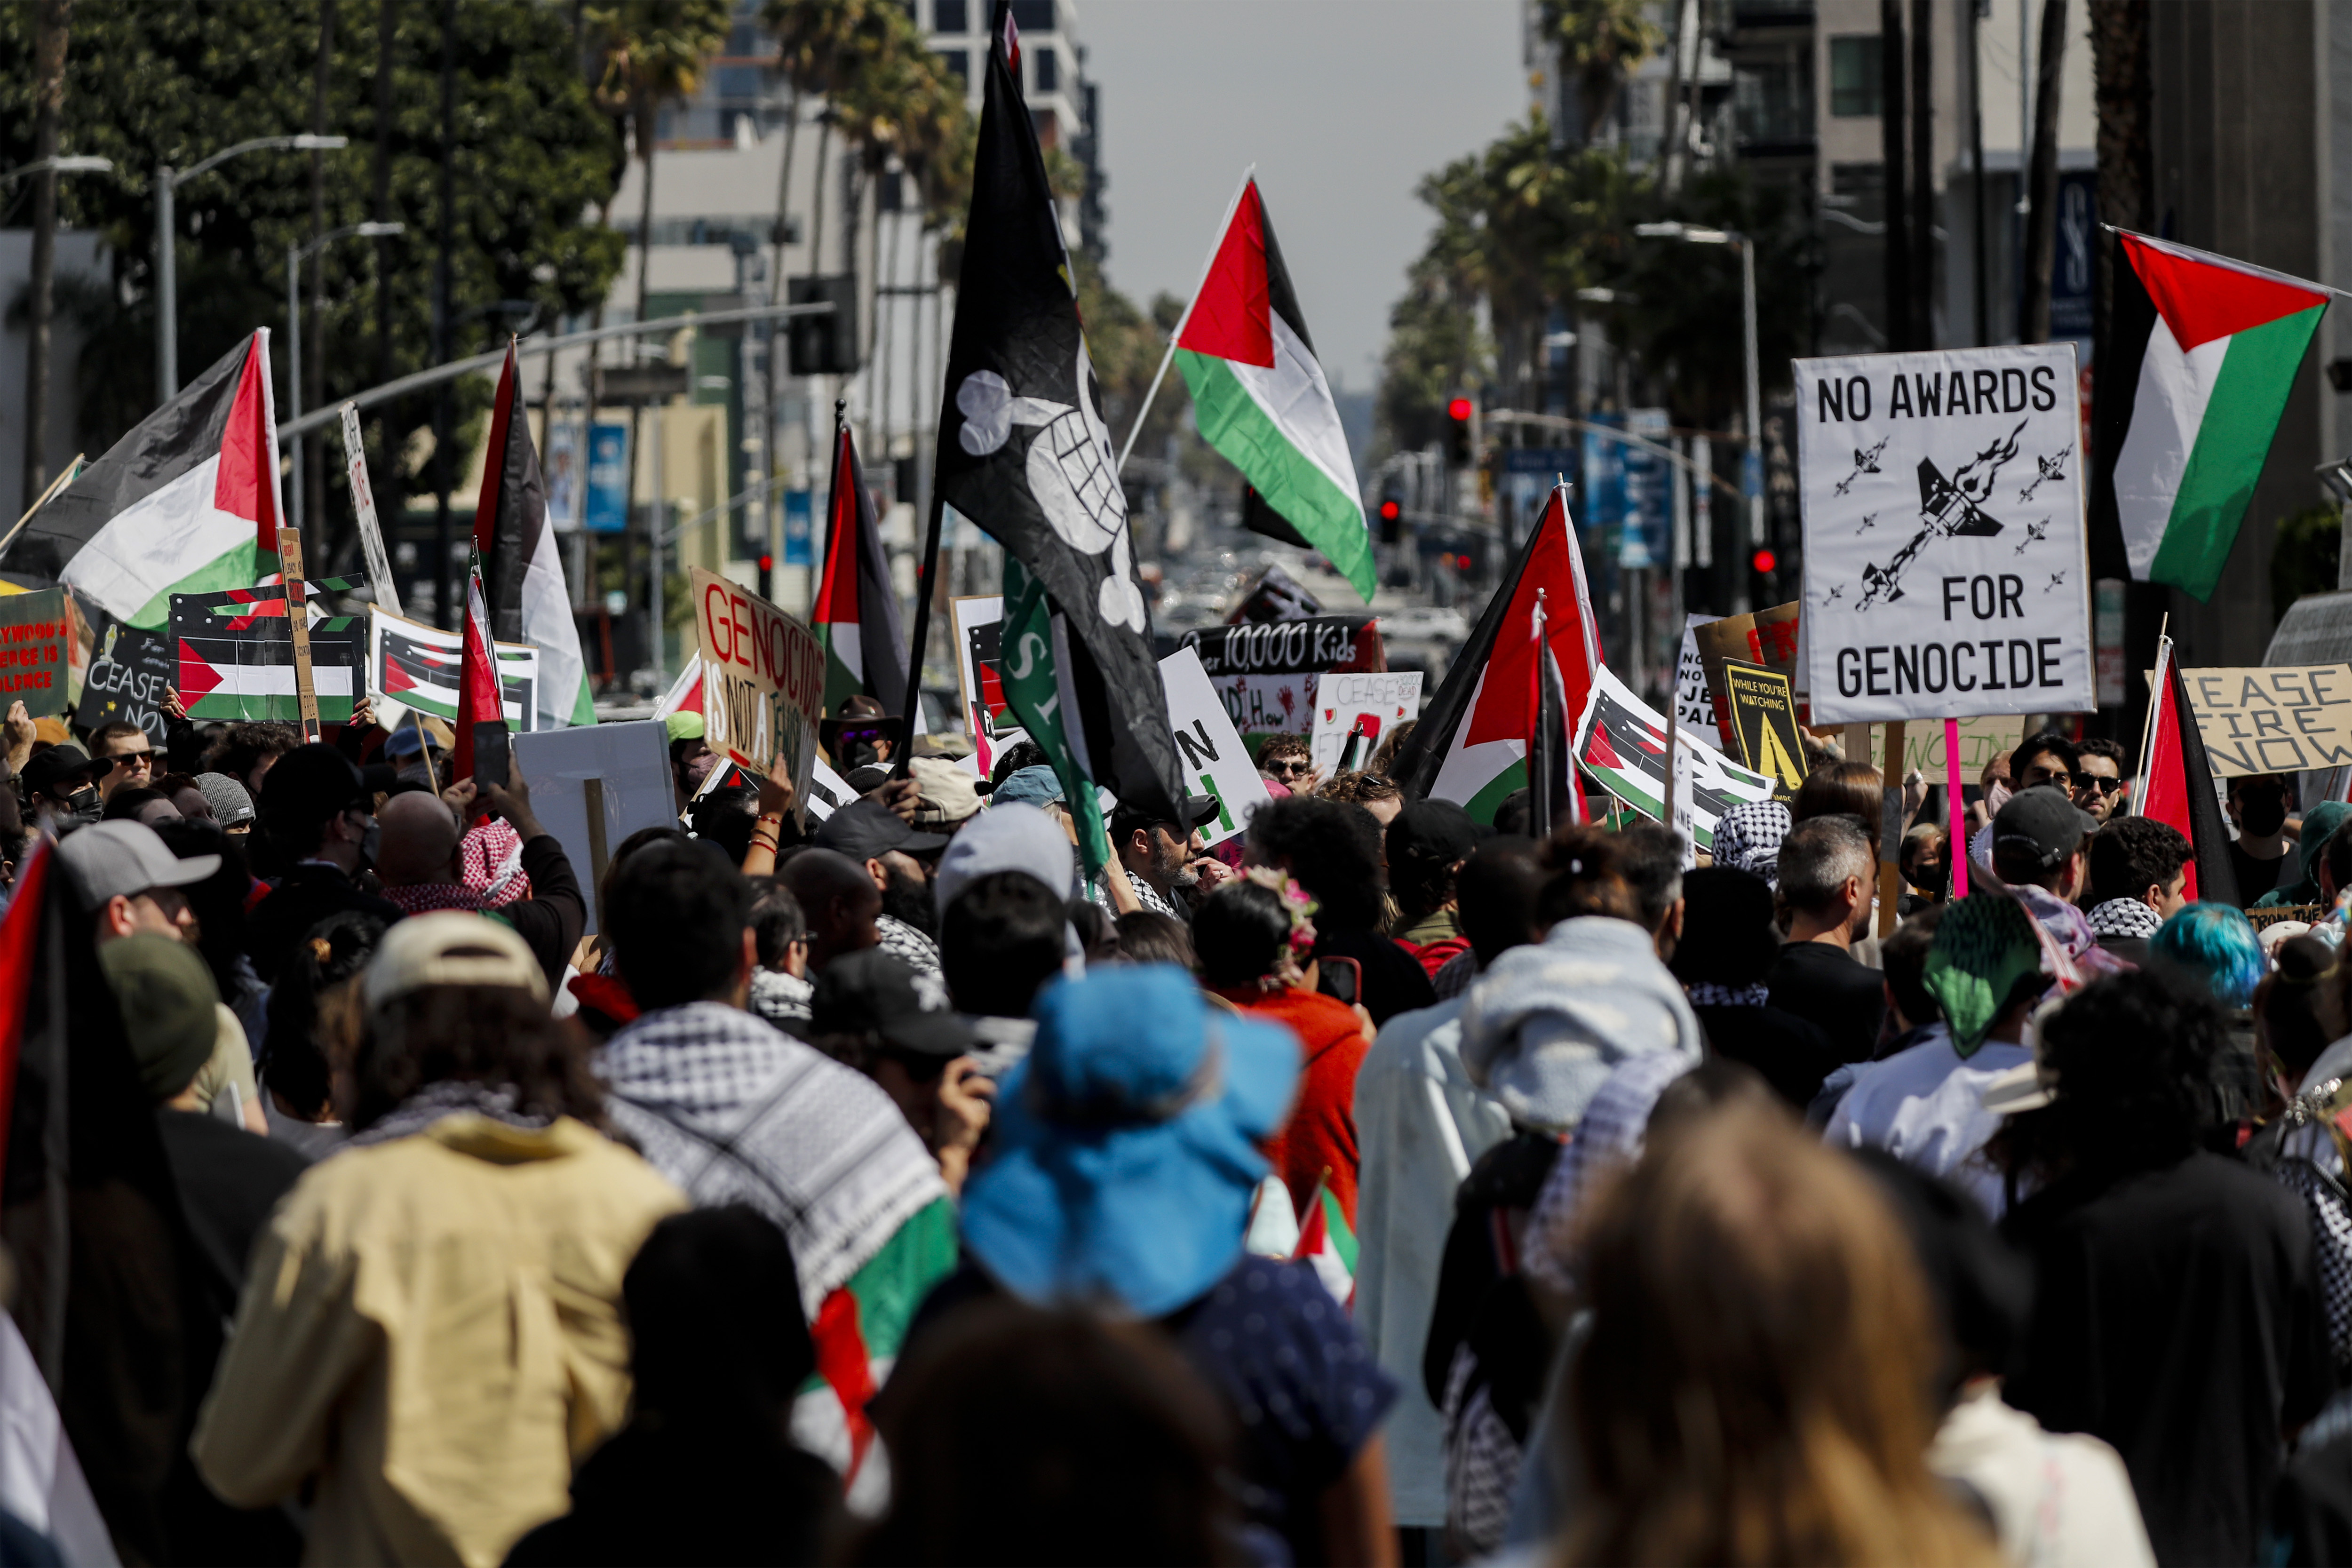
{"type": "Point", "coordinates": [855, 616]}
{"type": "Point", "coordinates": [522, 569]}
{"type": "Point", "coordinates": [236, 654]}
{"type": "Point", "coordinates": [2192, 383]}
{"type": "Point", "coordinates": [2175, 785]}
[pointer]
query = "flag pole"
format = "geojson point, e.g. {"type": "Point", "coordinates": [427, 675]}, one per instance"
{"type": "Point", "coordinates": [73, 470]}
{"type": "Point", "coordinates": [1178, 331]}
{"type": "Point", "coordinates": [2147, 720]}
{"type": "Point", "coordinates": [904, 756]}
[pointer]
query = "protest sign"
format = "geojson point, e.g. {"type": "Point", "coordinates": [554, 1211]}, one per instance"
{"type": "Point", "coordinates": [762, 681]}
{"type": "Point", "coordinates": [1209, 745]}
{"type": "Point", "coordinates": [1355, 712]}
{"type": "Point", "coordinates": [1692, 707]}
{"type": "Point", "coordinates": [2262, 719]}
{"type": "Point", "coordinates": [1768, 638]}
{"type": "Point", "coordinates": [592, 786]}
{"type": "Point", "coordinates": [1945, 565]}
{"type": "Point", "coordinates": [128, 675]}
{"type": "Point", "coordinates": [412, 665]}
{"type": "Point", "coordinates": [981, 682]}
{"type": "Point", "coordinates": [1622, 741]}
{"type": "Point", "coordinates": [236, 654]}
{"type": "Point", "coordinates": [1981, 740]}
{"type": "Point", "coordinates": [33, 635]}
{"type": "Point", "coordinates": [1269, 673]}
{"type": "Point", "coordinates": [1764, 721]}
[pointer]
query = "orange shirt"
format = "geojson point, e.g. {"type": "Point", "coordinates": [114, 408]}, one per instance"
{"type": "Point", "coordinates": [1321, 1131]}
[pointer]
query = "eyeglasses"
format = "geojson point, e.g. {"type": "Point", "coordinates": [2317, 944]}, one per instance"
{"type": "Point", "coordinates": [2103, 785]}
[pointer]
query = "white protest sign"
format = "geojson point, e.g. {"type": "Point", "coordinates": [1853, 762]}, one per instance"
{"type": "Point", "coordinates": [1946, 563]}
{"type": "Point", "coordinates": [1692, 705]}
{"type": "Point", "coordinates": [592, 785]}
{"type": "Point", "coordinates": [1209, 745]}
{"type": "Point", "coordinates": [381, 587]}
{"type": "Point", "coordinates": [1354, 714]}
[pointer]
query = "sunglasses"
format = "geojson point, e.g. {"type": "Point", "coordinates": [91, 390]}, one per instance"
{"type": "Point", "coordinates": [2104, 786]}
{"type": "Point", "coordinates": [1290, 768]}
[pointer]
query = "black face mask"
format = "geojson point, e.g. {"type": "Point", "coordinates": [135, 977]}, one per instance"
{"type": "Point", "coordinates": [1929, 876]}
{"type": "Point", "coordinates": [86, 803]}
{"type": "Point", "coordinates": [908, 898]}
{"type": "Point", "coordinates": [2262, 815]}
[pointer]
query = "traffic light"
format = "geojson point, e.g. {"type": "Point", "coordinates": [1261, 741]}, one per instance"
{"type": "Point", "coordinates": [1764, 561]}
{"type": "Point", "coordinates": [1391, 519]}
{"type": "Point", "coordinates": [1461, 438]}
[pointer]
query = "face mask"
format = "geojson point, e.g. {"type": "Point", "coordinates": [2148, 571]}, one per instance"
{"type": "Point", "coordinates": [1929, 876]}
{"type": "Point", "coordinates": [86, 803]}
{"type": "Point", "coordinates": [2262, 814]}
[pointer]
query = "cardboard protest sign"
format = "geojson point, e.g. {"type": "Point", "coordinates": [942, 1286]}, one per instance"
{"type": "Point", "coordinates": [1209, 745]}
{"type": "Point", "coordinates": [1981, 740]}
{"type": "Point", "coordinates": [1764, 721]}
{"type": "Point", "coordinates": [1768, 638]}
{"type": "Point", "coordinates": [33, 635]}
{"type": "Point", "coordinates": [129, 673]}
{"type": "Point", "coordinates": [1269, 673]}
{"type": "Point", "coordinates": [1693, 708]}
{"type": "Point", "coordinates": [1622, 741]}
{"type": "Point", "coordinates": [412, 665]}
{"type": "Point", "coordinates": [762, 680]}
{"type": "Point", "coordinates": [592, 785]}
{"type": "Point", "coordinates": [1946, 547]}
{"type": "Point", "coordinates": [1354, 714]}
{"type": "Point", "coordinates": [2262, 719]}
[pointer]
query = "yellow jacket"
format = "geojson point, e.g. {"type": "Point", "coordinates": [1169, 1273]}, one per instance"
{"type": "Point", "coordinates": [432, 1328]}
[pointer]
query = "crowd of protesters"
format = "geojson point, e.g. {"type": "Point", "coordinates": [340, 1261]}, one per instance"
{"type": "Point", "coordinates": [1373, 1186]}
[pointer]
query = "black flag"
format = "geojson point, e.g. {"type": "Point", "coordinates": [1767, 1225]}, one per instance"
{"type": "Point", "coordinates": [1023, 451]}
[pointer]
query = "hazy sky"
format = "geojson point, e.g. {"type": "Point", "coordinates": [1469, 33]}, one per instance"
{"type": "Point", "coordinates": [1342, 104]}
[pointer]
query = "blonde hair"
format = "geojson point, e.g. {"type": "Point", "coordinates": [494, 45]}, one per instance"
{"type": "Point", "coordinates": [1759, 1383]}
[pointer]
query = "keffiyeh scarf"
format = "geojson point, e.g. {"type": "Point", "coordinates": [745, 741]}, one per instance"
{"type": "Point", "coordinates": [2124, 917]}
{"type": "Point", "coordinates": [424, 898]}
{"type": "Point", "coordinates": [451, 1097]}
{"type": "Point", "coordinates": [734, 1111]}
{"type": "Point", "coordinates": [1747, 837]}
{"type": "Point", "coordinates": [1707, 993]}
{"type": "Point", "coordinates": [490, 863]}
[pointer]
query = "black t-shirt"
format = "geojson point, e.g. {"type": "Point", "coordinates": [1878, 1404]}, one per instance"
{"type": "Point", "coordinates": [2177, 1316]}
{"type": "Point", "coordinates": [1833, 991]}
{"type": "Point", "coordinates": [306, 895]}
{"type": "Point", "coordinates": [2256, 877]}
{"type": "Point", "coordinates": [1792, 1053]}
{"type": "Point", "coordinates": [1394, 980]}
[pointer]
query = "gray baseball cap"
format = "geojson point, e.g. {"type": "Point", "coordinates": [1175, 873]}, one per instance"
{"type": "Point", "coordinates": [112, 859]}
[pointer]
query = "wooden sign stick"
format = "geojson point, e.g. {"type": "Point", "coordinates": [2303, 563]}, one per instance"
{"type": "Point", "coordinates": [1890, 833]}
{"type": "Point", "coordinates": [298, 620]}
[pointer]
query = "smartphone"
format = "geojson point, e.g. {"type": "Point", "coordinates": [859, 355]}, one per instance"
{"type": "Point", "coordinates": [492, 759]}
{"type": "Point", "coordinates": [1340, 977]}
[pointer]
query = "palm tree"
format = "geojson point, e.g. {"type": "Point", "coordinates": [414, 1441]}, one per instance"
{"type": "Point", "coordinates": [817, 43]}
{"type": "Point", "coordinates": [653, 53]}
{"type": "Point", "coordinates": [1600, 40]}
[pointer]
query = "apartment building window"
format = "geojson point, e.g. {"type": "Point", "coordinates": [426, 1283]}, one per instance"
{"type": "Point", "coordinates": [1034, 15]}
{"type": "Point", "coordinates": [1853, 76]}
{"type": "Point", "coordinates": [1772, 101]}
{"type": "Point", "coordinates": [1048, 70]}
{"type": "Point", "coordinates": [951, 15]}
{"type": "Point", "coordinates": [957, 61]}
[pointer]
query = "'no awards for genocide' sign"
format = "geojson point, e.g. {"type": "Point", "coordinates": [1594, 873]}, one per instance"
{"type": "Point", "coordinates": [762, 680]}
{"type": "Point", "coordinates": [1945, 558]}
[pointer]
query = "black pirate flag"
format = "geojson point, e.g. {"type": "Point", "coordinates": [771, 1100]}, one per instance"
{"type": "Point", "coordinates": [1024, 453]}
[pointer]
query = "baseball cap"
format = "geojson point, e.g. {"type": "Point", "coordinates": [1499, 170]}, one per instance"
{"type": "Point", "coordinates": [170, 1008]}
{"type": "Point", "coordinates": [449, 948]}
{"type": "Point", "coordinates": [310, 784]}
{"type": "Point", "coordinates": [59, 769]}
{"type": "Point", "coordinates": [2044, 821]}
{"type": "Point", "coordinates": [871, 990]}
{"type": "Point", "coordinates": [1032, 786]}
{"type": "Point", "coordinates": [684, 726]}
{"type": "Point", "coordinates": [948, 795]}
{"type": "Point", "coordinates": [1197, 809]}
{"type": "Point", "coordinates": [124, 858]}
{"type": "Point", "coordinates": [865, 829]}
{"type": "Point", "coordinates": [1436, 831]}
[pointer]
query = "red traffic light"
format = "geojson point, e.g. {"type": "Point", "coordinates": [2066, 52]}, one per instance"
{"type": "Point", "coordinates": [1765, 560]}
{"type": "Point", "coordinates": [1391, 512]}
{"type": "Point", "coordinates": [767, 564]}
{"type": "Point", "coordinates": [1460, 409]}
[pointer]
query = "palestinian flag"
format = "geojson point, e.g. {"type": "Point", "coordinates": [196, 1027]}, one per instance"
{"type": "Point", "coordinates": [2192, 383]}
{"type": "Point", "coordinates": [1472, 744]}
{"type": "Point", "coordinates": [1620, 740]}
{"type": "Point", "coordinates": [857, 1331]}
{"type": "Point", "coordinates": [1022, 452]}
{"type": "Point", "coordinates": [236, 654]}
{"type": "Point", "coordinates": [1260, 398]}
{"type": "Point", "coordinates": [186, 504]}
{"type": "Point", "coordinates": [477, 682]}
{"type": "Point", "coordinates": [685, 693]}
{"type": "Point", "coordinates": [1328, 1241]}
{"type": "Point", "coordinates": [2175, 785]}
{"type": "Point", "coordinates": [522, 572]}
{"type": "Point", "coordinates": [412, 665]}
{"type": "Point", "coordinates": [857, 613]}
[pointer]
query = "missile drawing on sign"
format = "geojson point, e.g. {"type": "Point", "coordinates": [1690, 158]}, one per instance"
{"type": "Point", "coordinates": [1949, 508]}
{"type": "Point", "coordinates": [2034, 534]}
{"type": "Point", "coordinates": [2052, 468]}
{"type": "Point", "coordinates": [1866, 461]}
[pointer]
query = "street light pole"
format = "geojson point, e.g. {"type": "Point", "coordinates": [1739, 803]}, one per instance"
{"type": "Point", "coordinates": [1751, 477]}
{"type": "Point", "coordinates": [168, 182]}
{"type": "Point", "coordinates": [295, 256]}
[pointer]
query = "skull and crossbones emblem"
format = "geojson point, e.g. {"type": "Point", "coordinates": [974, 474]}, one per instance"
{"type": "Point", "coordinates": [1070, 472]}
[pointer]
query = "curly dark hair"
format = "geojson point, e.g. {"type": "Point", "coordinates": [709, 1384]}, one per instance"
{"type": "Point", "coordinates": [2133, 1056]}
{"type": "Point", "coordinates": [1588, 876]}
{"type": "Point", "coordinates": [1239, 934]}
{"type": "Point", "coordinates": [293, 1059]}
{"type": "Point", "coordinates": [496, 1034]}
{"type": "Point", "coordinates": [1333, 849]}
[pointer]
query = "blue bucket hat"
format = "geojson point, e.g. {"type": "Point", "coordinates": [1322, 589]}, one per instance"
{"type": "Point", "coordinates": [1127, 1143]}
{"type": "Point", "coordinates": [1034, 786]}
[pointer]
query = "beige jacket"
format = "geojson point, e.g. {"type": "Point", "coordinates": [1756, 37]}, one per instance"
{"type": "Point", "coordinates": [432, 1329]}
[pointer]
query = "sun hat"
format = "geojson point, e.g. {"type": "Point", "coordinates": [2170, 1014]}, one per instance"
{"type": "Point", "coordinates": [1127, 1143]}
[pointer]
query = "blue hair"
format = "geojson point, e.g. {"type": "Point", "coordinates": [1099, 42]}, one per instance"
{"type": "Point", "coordinates": [2212, 945]}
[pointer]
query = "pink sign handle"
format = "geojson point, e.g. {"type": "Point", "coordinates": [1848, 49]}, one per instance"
{"type": "Point", "coordinates": [1956, 854]}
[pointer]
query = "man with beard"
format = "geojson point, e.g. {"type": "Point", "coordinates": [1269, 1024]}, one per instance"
{"type": "Point", "coordinates": [900, 860]}
{"type": "Point", "coordinates": [2261, 855]}
{"type": "Point", "coordinates": [690, 756]}
{"type": "Point", "coordinates": [1160, 855]}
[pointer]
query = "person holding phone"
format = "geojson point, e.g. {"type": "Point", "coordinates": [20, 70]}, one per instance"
{"type": "Point", "coordinates": [1255, 939]}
